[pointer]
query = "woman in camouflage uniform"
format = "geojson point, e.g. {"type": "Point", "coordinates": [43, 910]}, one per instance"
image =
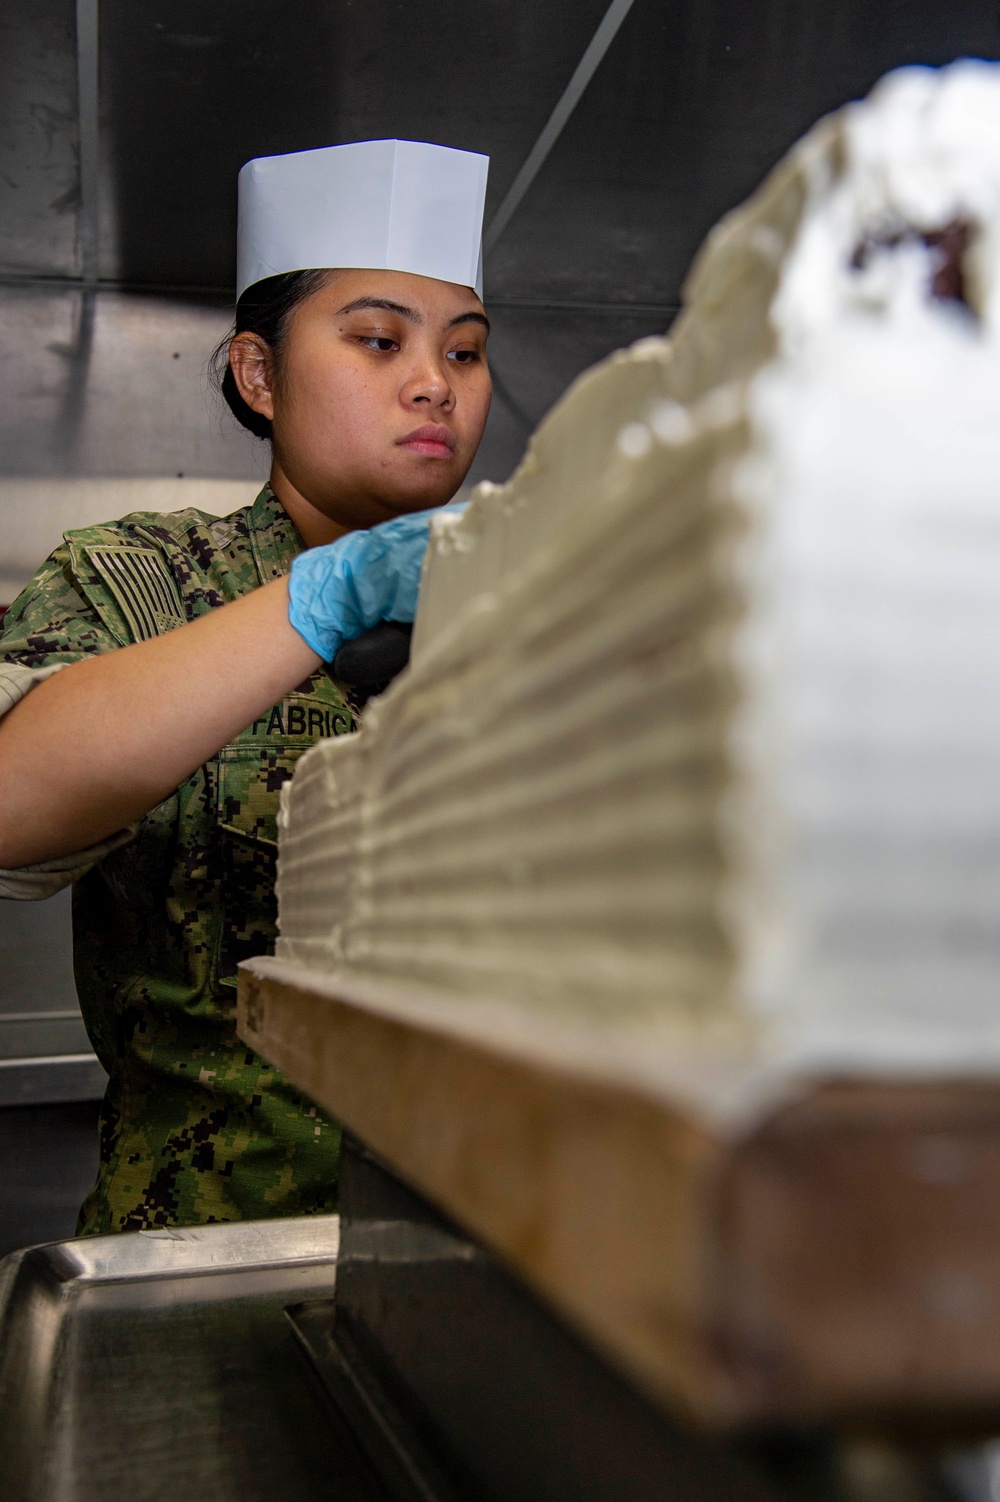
{"type": "Point", "coordinates": [157, 696]}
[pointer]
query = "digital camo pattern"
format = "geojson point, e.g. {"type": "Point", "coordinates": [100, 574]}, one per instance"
{"type": "Point", "coordinates": [194, 1126]}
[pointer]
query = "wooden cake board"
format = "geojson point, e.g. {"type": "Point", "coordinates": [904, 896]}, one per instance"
{"type": "Point", "coordinates": [837, 1263]}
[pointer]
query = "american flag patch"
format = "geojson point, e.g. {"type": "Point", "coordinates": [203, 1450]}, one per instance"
{"type": "Point", "coordinates": [143, 588]}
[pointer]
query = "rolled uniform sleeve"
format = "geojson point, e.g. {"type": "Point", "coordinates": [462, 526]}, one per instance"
{"type": "Point", "coordinates": [15, 682]}
{"type": "Point", "coordinates": [50, 625]}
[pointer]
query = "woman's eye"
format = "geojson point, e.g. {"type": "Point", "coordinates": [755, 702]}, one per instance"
{"type": "Point", "coordinates": [463, 356]}
{"type": "Point", "coordinates": [381, 342]}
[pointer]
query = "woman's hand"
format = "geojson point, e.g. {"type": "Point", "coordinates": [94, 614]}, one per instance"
{"type": "Point", "coordinates": [340, 590]}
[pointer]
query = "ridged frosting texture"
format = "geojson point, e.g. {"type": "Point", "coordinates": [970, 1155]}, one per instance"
{"type": "Point", "coordinates": [698, 744]}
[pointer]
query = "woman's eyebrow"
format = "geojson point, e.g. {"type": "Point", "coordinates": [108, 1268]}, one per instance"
{"type": "Point", "coordinates": [384, 305]}
{"type": "Point", "coordinates": [471, 317]}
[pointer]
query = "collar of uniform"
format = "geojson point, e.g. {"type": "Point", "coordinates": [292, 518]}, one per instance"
{"type": "Point", "coordinates": [274, 539]}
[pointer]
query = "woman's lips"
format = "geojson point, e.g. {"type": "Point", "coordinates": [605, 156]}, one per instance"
{"type": "Point", "coordinates": [432, 439]}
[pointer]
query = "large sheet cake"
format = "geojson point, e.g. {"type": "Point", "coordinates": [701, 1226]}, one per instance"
{"type": "Point", "coordinates": [695, 772]}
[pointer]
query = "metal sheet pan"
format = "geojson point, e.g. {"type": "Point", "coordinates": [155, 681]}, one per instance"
{"type": "Point", "coordinates": [160, 1364]}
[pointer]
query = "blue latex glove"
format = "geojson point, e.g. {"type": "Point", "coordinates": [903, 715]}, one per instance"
{"type": "Point", "coordinates": [337, 591]}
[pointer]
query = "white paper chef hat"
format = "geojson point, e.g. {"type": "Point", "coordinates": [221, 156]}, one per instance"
{"type": "Point", "coordinates": [375, 205]}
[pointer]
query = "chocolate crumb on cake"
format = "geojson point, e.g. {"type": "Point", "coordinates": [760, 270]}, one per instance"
{"type": "Point", "coordinates": [950, 245]}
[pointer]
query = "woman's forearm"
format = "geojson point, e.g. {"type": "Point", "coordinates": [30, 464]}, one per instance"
{"type": "Point", "coordinates": [98, 745]}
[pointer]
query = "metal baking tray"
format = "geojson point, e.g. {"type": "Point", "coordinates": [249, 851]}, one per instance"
{"type": "Point", "coordinates": [160, 1364]}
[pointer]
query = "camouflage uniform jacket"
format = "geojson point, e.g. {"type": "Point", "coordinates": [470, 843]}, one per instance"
{"type": "Point", "coordinates": [194, 1126]}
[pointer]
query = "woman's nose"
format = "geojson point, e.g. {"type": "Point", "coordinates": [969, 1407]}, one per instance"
{"type": "Point", "coordinates": [428, 385]}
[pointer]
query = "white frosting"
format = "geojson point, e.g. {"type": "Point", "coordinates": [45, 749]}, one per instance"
{"type": "Point", "coordinates": [699, 749]}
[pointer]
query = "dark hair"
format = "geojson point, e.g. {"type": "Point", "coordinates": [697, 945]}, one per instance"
{"type": "Point", "coordinates": [264, 310]}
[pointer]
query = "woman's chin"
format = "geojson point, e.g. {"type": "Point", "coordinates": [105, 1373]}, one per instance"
{"type": "Point", "coordinates": [423, 497]}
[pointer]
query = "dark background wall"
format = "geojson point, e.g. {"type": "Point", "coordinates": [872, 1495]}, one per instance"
{"type": "Point", "coordinates": [693, 103]}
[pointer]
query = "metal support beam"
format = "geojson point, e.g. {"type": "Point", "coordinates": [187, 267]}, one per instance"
{"type": "Point", "coordinates": [573, 92]}
{"type": "Point", "coordinates": [87, 115]}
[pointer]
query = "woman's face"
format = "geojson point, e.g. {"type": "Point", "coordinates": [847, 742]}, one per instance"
{"type": "Point", "coordinates": [381, 396]}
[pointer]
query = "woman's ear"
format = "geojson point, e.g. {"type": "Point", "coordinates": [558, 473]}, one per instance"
{"type": "Point", "coordinates": [251, 362]}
